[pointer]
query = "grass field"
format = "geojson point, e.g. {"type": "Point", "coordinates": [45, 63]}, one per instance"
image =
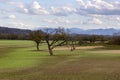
{"type": "Point", "coordinates": [19, 60]}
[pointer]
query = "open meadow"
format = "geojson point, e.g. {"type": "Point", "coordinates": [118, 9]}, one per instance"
{"type": "Point", "coordinates": [19, 60]}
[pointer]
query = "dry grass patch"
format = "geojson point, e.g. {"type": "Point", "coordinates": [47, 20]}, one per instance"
{"type": "Point", "coordinates": [107, 51]}
{"type": "Point", "coordinates": [79, 48]}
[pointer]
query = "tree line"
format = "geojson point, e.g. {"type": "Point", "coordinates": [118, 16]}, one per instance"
{"type": "Point", "coordinates": [13, 33]}
{"type": "Point", "coordinates": [52, 37]}
{"type": "Point", "coordinates": [59, 37]}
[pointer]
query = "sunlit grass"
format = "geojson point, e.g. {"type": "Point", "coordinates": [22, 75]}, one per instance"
{"type": "Point", "coordinates": [19, 60]}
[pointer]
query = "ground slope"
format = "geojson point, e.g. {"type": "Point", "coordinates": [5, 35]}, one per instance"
{"type": "Point", "coordinates": [20, 61]}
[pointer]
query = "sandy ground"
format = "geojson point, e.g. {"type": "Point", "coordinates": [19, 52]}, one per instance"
{"type": "Point", "coordinates": [90, 47]}
{"type": "Point", "coordinates": [81, 48]}
{"type": "Point", "coordinates": [107, 51]}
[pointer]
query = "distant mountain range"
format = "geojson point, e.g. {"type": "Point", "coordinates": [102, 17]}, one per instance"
{"type": "Point", "coordinates": [109, 31]}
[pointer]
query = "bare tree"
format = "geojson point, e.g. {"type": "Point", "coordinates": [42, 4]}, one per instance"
{"type": "Point", "coordinates": [92, 38]}
{"type": "Point", "coordinates": [72, 39]}
{"type": "Point", "coordinates": [36, 36]}
{"type": "Point", "coordinates": [72, 42]}
{"type": "Point", "coordinates": [54, 38]}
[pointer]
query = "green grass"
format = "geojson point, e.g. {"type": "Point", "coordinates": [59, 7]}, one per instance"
{"type": "Point", "coordinates": [19, 60]}
{"type": "Point", "coordinates": [18, 54]}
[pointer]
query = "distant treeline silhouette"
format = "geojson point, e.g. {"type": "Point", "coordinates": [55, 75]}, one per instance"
{"type": "Point", "coordinates": [22, 34]}
{"type": "Point", "coordinates": [14, 34]}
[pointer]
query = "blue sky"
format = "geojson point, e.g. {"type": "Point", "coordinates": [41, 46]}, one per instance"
{"type": "Point", "coordinates": [84, 14]}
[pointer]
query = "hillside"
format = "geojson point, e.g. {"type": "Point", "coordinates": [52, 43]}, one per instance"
{"type": "Point", "coordinates": [13, 33]}
{"type": "Point", "coordinates": [6, 30]}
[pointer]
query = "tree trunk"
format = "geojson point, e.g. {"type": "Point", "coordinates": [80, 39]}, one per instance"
{"type": "Point", "coordinates": [50, 51]}
{"type": "Point", "coordinates": [37, 46]}
{"type": "Point", "coordinates": [49, 47]}
{"type": "Point", "coordinates": [72, 46]}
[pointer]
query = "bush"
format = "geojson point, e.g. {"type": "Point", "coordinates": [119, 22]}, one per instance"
{"type": "Point", "coordinates": [115, 40]}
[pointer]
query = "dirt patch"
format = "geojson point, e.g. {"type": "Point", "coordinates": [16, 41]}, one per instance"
{"type": "Point", "coordinates": [81, 48]}
{"type": "Point", "coordinates": [108, 51]}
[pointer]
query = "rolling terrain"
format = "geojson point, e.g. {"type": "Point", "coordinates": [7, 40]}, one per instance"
{"type": "Point", "coordinates": [19, 60]}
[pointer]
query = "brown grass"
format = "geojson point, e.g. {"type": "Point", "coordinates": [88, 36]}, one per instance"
{"type": "Point", "coordinates": [62, 68]}
{"type": "Point", "coordinates": [79, 48]}
{"type": "Point", "coordinates": [73, 67]}
{"type": "Point", "coordinates": [107, 51]}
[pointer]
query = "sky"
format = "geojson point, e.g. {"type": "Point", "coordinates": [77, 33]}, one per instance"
{"type": "Point", "coordinates": [83, 14]}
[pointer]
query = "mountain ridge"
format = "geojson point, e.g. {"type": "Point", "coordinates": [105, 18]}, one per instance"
{"type": "Point", "coordinates": [6, 30]}
{"type": "Point", "coordinates": [108, 31]}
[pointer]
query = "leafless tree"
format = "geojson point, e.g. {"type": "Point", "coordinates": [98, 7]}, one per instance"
{"type": "Point", "coordinates": [54, 38]}
{"type": "Point", "coordinates": [36, 36]}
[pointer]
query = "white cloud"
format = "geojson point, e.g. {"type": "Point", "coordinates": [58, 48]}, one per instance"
{"type": "Point", "coordinates": [20, 25]}
{"type": "Point", "coordinates": [50, 21]}
{"type": "Point", "coordinates": [114, 18]}
{"type": "Point", "coordinates": [4, 1]}
{"type": "Point", "coordinates": [86, 7]}
{"type": "Point", "coordinates": [62, 20]}
{"type": "Point", "coordinates": [100, 7]}
{"type": "Point", "coordinates": [25, 10]}
{"type": "Point", "coordinates": [17, 4]}
{"type": "Point", "coordinates": [91, 13]}
{"type": "Point", "coordinates": [118, 18]}
{"type": "Point", "coordinates": [81, 2]}
{"type": "Point", "coordinates": [118, 24]}
{"type": "Point", "coordinates": [33, 8]}
{"type": "Point", "coordinates": [97, 4]}
{"type": "Point", "coordinates": [64, 11]}
{"type": "Point", "coordinates": [19, 7]}
{"type": "Point", "coordinates": [57, 21]}
{"type": "Point", "coordinates": [95, 21]}
{"type": "Point", "coordinates": [12, 16]}
{"type": "Point", "coordinates": [36, 5]}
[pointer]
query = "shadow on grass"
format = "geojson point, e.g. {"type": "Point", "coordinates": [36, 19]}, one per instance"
{"type": "Point", "coordinates": [39, 50]}
{"type": "Point", "coordinates": [56, 53]}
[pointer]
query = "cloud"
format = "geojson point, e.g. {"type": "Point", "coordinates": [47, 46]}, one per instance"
{"type": "Point", "coordinates": [63, 11]}
{"type": "Point", "coordinates": [113, 18]}
{"type": "Point", "coordinates": [86, 7]}
{"type": "Point", "coordinates": [118, 19]}
{"type": "Point", "coordinates": [50, 21]}
{"type": "Point", "coordinates": [118, 24]}
{"type": "Point", "coordinates": [94, 21]}
{"type": "Point", "coordinates": [99, 7]}
{"type": "Point", "coordinates": [34, 8]}
{"type": "Point", "coordinates": [20, 25]}
{"type": "Point", "coordinates": [9, 17]}
{"type": "Point", "coordinates": [57, 21]}
{"type": "Point", "coordinates": [62, 20]}
{"type": "Point", "coordinates": [17, 4]}
{"type": "Point", "coordinates": [12, 16]}
{"type": "Point", "coordinates": [4, 1]}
